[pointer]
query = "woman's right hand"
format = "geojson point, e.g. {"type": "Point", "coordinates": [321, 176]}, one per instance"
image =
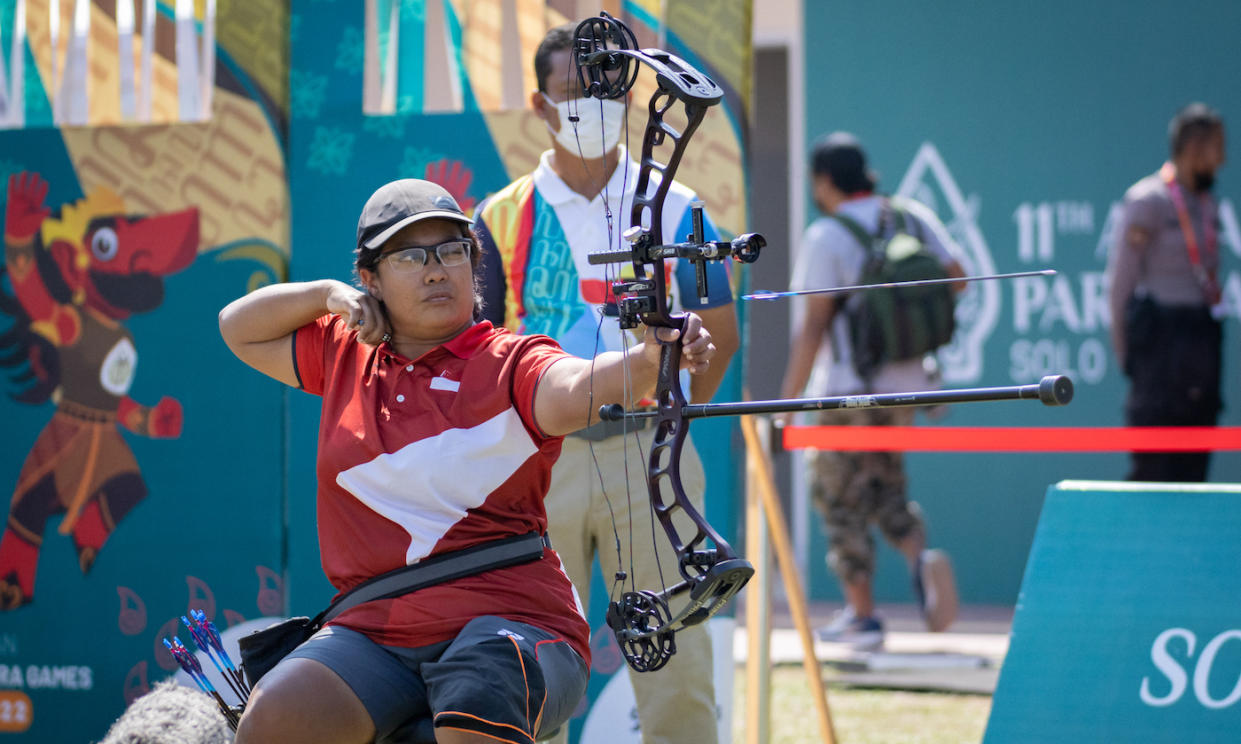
{"type": "Point", "coordinates": [360, 311]}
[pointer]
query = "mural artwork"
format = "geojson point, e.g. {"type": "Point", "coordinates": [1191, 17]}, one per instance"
{"type": "Point", "coordinates": [77, 275]}
{"type": "Point", "coordinates": [150, 153]}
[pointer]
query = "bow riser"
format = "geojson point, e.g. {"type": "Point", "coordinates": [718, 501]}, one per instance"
{"type": "Point", "coordinates": [671, 431]}
{"type": "Point", "coordinates": [668, 496]}
{"type": "Point", "coordinates": [649, 288]}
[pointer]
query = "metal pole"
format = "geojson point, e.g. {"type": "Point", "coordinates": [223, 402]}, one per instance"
{"type": "Point", "coordinates": [788, 571]}
{"type": "Point", "coordinates": [757, 614]}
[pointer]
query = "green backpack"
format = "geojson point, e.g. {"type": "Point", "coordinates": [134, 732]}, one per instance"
{"type": "Point", "coordinates": [892, 325]}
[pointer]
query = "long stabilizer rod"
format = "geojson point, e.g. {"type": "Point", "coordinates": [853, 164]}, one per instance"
{"type": "Point", "coordinates": [761, 295]}
{"type": "Point", "coordinates": [1053, 390]}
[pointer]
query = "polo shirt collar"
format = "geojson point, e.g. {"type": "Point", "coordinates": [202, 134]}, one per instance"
{"type": "Point", "coordinates": [555, 191]}
{"type": "Point", "coordinates": [462, 346]}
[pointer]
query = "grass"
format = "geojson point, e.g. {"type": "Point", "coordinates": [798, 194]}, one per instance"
{"type": "Point", "coordinates": [861, 716]}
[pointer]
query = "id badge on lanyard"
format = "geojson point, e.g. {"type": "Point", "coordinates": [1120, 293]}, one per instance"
{"type": "Point", "coordinates": [1210, 241]}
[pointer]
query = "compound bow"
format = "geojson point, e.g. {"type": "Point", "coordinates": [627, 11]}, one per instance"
{"type": "Point", "coordinates": [604, 50]}
{"type": "Point", "coordinates": [604, 55]}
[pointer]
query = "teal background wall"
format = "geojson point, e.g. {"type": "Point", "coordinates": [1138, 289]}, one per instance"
{"type": "Point", "coordinates": [1041, 115]}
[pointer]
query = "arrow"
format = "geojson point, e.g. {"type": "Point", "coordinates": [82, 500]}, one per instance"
{"type": "Point", "coordinates": [762, 295]}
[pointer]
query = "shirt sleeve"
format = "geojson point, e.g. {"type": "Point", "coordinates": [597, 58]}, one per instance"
{"type": "Point", "coordinates": [1133, 234]}
{"type": "Point", "coordinates": [1141, 210]}
{"type": "Point", "coordinates": [315, 349]}
{"type": "Point", "coordinates": [817, 265]}
{"type": "Point", "coordinates": [719, 289]}
{"type": "Point", "coordinates": [532, 358]}
{"type": "Point", "coordinates": [490, 272]}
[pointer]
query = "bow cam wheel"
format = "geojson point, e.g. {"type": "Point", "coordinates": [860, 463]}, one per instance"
{"type": "Point", "coordinates": [636, 619]}
{"type": "Point", "coordinates": [602, 72]}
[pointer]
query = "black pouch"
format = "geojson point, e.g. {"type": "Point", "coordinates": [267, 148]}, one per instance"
{"type": "Point", "coordinates": [263, 649]}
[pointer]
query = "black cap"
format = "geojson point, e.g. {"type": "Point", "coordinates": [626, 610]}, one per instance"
{"type": "Point", "coordinates": [404, 202]}
{"type": "Point", "coordinates": [840, 157]}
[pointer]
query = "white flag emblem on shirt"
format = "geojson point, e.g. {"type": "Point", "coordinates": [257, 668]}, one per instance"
{"type": "Point", "coordinates": [428, 502]}
{"type": "Point", "coordinates": [443, 383]}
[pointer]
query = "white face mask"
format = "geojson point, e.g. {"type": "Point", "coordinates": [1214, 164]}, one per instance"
{"type": "Point", "coordinates": [597, 130]}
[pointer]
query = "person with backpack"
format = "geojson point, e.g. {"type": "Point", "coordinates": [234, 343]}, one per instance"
{"type": "Point", "coordinates": [877, 341]}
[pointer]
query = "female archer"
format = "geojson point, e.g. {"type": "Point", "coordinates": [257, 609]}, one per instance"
{"type": "Point", "coordinates": [437, 437]}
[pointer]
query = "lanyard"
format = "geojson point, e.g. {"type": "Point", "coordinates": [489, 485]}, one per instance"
{"type": "Point", "coordinates": [1210, 243]}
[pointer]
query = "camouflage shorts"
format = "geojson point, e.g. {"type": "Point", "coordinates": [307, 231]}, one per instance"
{"type": "Point", "coordinates": [853, 490]}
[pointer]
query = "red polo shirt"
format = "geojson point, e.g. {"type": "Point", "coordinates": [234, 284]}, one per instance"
{"type": "Point", "coordinates": [420, 457]}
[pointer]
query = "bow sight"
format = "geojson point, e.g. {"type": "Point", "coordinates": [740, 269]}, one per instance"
{"type": "Point", "coordinates": [636, 298]}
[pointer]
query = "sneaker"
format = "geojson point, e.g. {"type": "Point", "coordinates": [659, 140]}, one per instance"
{"type": "Point", "coordinates": [862, 633]}
{"type": "Point", "coordinates": [936, 589]}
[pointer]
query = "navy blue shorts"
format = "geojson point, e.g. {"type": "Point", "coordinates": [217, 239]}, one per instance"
{"type": "Point", "coordinates": [509, 680]}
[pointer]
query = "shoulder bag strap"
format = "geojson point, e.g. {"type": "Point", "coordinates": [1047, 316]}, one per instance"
{"type": "Point", "coordinates": [508, 551]}
{"type": "Point", "coordinates": [865, 239]}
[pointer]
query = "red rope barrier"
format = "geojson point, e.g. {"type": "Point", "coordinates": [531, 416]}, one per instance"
{"type": "Point", "coordinates": [1014, 439]}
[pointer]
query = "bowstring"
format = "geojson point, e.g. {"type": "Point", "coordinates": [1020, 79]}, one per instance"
{"type": "Point", "coordinates": [628, 384]}
{"type": "Point", "coordinates": [642, 453]}
{"type": "Point", "coordinates": [629, 394]}
{"type": "Point", "coordinates": [612, 274]}
{"type": "Point", "coordinates": [574, 107]}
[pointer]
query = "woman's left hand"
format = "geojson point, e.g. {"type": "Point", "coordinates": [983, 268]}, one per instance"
{"type": "Point", "coordinates": [696, 346]}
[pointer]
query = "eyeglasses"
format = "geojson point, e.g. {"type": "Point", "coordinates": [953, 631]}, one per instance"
{"type": "Point", "coordinates": [406, 260]}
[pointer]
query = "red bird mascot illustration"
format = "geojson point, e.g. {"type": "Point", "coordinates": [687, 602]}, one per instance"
{"type": "Point", "coordinates": [75, 277]}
